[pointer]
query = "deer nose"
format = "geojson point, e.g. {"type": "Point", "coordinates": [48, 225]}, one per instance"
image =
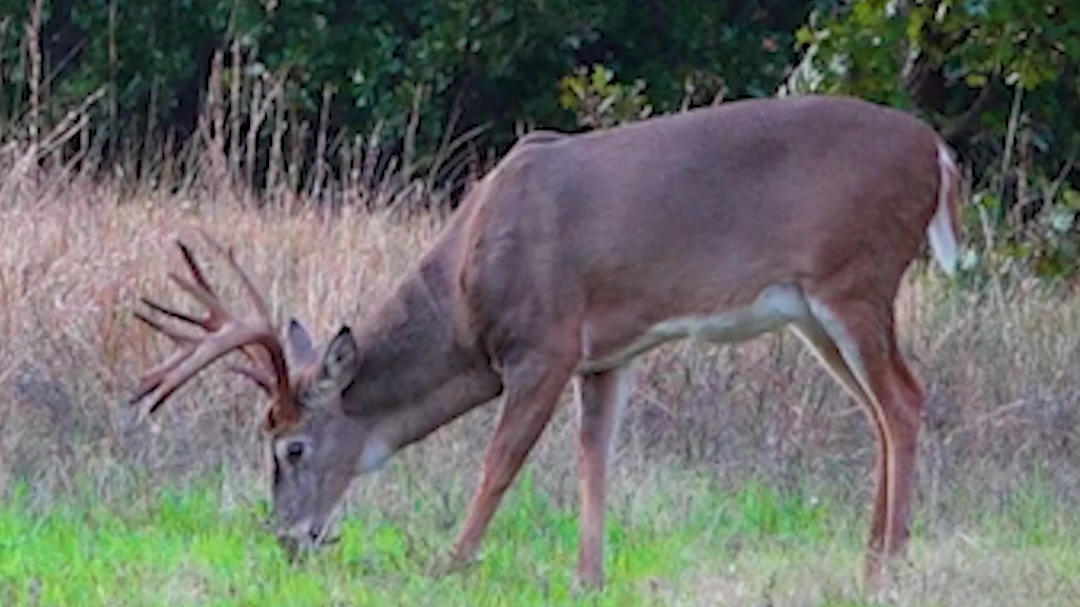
{"type": "Point", "coordinates": [314, 531]}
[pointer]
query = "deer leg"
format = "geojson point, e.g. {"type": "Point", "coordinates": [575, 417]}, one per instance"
{"type": "Point", "coordinates": [817, 339]}
{"type": "Point", "coordinates": [532, 393]}
{"type": "Point", "coordinates": [899, 398]}
{"type": "Point", "coordinates": [863, 336]}
{"type": "Point", "coordinates": [903, 417]}
{"type": "Point", "coordinates": [601, 398]}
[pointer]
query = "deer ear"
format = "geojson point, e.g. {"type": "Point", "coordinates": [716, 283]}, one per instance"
{"type": "Point", "coordinates": [300, 344]}
{"type": "Point", "coordinates": [339, 361]}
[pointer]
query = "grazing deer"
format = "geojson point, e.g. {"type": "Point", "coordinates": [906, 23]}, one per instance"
{"type": "Point", "coordinates": [575, 255]}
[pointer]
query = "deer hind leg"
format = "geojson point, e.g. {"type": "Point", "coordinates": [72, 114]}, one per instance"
{"type": "Point", "coordinates": [532, 391]}
{"type": "Point", "coordinates": [818, 341]}
{"type": "Point", "coordinates": [601, 398]}
{"type": "Point", "coordinates": [856, 341]}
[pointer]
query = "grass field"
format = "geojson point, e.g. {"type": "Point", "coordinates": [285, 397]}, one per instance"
{"type": "Point", "coordinates": [753, 547]}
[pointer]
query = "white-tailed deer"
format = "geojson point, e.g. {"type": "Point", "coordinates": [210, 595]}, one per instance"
{"type": "Point", "coordinates": [576, 254]}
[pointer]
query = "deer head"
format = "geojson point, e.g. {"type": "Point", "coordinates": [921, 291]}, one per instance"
{"type": "Point", "coordinates": [314, 448]}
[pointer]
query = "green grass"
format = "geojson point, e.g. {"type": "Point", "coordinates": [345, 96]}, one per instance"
{"type": "Point", "coordinates": [187, 549]}
{"type": "Point", "coordinates": [697, 547]}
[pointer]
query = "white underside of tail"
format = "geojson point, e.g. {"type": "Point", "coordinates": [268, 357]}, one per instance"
{"type": "Point", "coordinates": [941, 232]}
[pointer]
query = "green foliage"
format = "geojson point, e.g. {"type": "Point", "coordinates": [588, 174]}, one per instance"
{"type": "Point", "coordinates": [1046, 246]}
{"type": "Point", "coordinates": [1001, 79]}
{"type": "Point", "coordinates": [866, 50]}
{"type": "Point", "coordinates": [497, 63]}
{"type": "Point", "coordinates": [599, 101]}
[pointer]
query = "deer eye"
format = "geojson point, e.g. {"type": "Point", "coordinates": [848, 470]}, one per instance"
{"type": "Point", "coordinates": [294, 451]}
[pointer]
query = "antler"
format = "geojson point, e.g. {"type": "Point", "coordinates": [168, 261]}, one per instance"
{"type": "Point", "coordinates": [224, 333]}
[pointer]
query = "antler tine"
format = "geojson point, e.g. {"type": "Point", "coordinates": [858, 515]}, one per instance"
{"type": "Point", "coordinates": [154, 377]}
{"type": "Point", "coordinates": [178, 337]}
{"type": "Point", "coordinates": [202, 290]}
{"type": "Point", "coordinates": [249, 286]}
{"type": "Point", "coordinates": [276, 353]}
{"type": "Point", "coordinates": [162, 381]}
{"type": "Point", "coordinates": [217, 315]}
{"type": "Point", "coordinates": [153, 305]}
{"type": "Point", "coordinates": [196, 271]}
{"type": "Point", "coordinates": [263, 379]}
{"type": "Point", "coordinates": [253, 335]}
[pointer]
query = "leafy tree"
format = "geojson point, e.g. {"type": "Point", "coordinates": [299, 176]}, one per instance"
{"type": "Point", "coordinates": [495, 62]}
{"type": "Point", "coordinates": [999, 78]}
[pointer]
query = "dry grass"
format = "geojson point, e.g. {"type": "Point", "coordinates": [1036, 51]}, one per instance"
{"type": "Point", "coordinates": [75, 254]}
{"type": "Point", "coordinates": [949, 573]}
{"type": "Point", "coordinates": [72, 266]}
{"type": "Point", "coordinates": [70, 275]}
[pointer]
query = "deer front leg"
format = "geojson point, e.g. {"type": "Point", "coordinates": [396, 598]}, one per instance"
{"type": "Point", "coordinates": [532, 392]}
{"type": "Point", "coordinates": [601, 398]}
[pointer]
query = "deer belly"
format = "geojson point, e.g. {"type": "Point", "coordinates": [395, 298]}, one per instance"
{"type": "Point", "coordinates": [774, 308]}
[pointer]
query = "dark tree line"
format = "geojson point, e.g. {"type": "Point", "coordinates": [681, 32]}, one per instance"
{"type": "Point", "coordinates": [496, 62]}
{"type": "Point", "coordinates": [998, 77]}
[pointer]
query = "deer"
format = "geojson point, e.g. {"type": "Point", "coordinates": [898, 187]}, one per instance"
{"type": "Point", "coordinates": [572, 257]}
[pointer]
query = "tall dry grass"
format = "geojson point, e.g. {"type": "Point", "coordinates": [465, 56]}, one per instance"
{"type": "Point", "coordinates": [73, 261]}
{"type": "Point", "coordinates": [325, 239]}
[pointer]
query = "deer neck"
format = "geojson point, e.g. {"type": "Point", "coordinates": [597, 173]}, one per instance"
{"type": "Point", "coordinates": [418, 369]}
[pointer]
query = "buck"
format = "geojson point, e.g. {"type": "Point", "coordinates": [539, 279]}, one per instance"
{"type": "Point", "coordinates": [575, 255]}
